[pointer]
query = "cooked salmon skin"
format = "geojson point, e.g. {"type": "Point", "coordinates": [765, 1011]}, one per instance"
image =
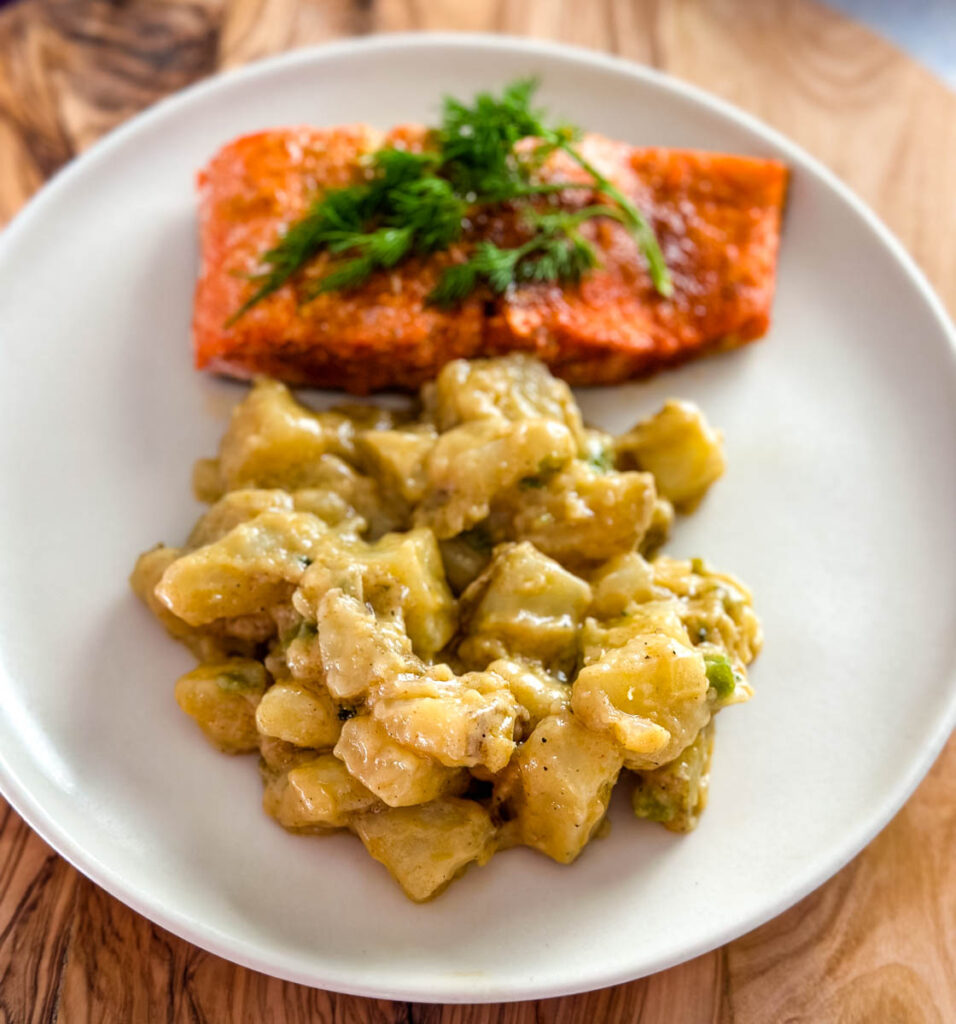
{"type": "Point", "coordinates": [717, 219]}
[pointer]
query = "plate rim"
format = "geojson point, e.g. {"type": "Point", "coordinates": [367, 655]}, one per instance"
{"type": "Point", "coordinates": [249, 954]}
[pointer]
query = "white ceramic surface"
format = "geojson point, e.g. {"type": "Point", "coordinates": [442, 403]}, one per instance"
{"type": "Point", "coordinates": [839, 508]}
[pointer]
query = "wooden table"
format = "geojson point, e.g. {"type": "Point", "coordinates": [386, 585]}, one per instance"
{"type": "Point", "coordinates": [878, 942]}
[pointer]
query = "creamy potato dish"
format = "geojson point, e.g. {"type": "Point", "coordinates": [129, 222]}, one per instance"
{"type": "Point", "coordinates": [449, 630]}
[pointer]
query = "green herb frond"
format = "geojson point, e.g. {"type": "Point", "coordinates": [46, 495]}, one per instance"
{"type": "Point", "coordinates": [559, 256]}
{"type": "Point", "coordinates": [377, 250]}
{"type": "Point", "coordinates": [417, 203]}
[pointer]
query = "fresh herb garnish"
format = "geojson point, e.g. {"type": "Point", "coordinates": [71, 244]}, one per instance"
{"type": "Point", "coordinates": [404, 208]}
{"type": "Point", "coordinates": [647, 804]}
{"type": "Point", "coordinates": [235, 682]}
{"type": "Point", "coordinates": [602, 459]}
{"type": "Point", "coordinates": [720, 675]}
{"type": "Point", "coordinates": [416, 203]}
{"type": "Point", "coordinates": [547, 468]}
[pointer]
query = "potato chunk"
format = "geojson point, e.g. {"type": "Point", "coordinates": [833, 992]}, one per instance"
{"type": "Point", "coordinates": [651, 695]}
{"type": "Point", "coordinates": [331, 476]}
{"type": "Point", "coordinates": [579, 516]}
{"type": "Point", "coordinates": [682, 451]}
{"type": "Point", "coordinates": [621, 582]}
{"type": "Point", "coordinates": [538, 693]}
{"type": "Point", "coordinates": [331, 508]}
{"type": "Point", "coordinates": [662, 615]}
{"type": "Point", "coordinates": [359, 651]}
{"type": "Point", "coordinates": [396, 775]}
{"type": "Point", "coordinates": [300, 655]}
{"type": "Point", "coordinates": [238, 637]}
{"type": "Point", "coordinates": [676, 794]}
{"type": "Point", "coordinates": [471, 464]}
{"type": "Point", "coordinates": [234, 508]}
{"type": "Point", "coordinates": [465, 722]}
{"type": "Point", "coordinates": [466, 556]}
{"type": "Point", "coordinates": [397, 609]}
{"type": "Point", "coordinates": [659, 528]}
{"type": "Point", "coordinates": [425, 847]}
{"type": "Point", "coordinates": [318, 795]}
{"type": "Point", "coordinates": [299, 713]}
{"type": "Point", "coordinates": [146, 574]}
{"type": "Point", "coordinates": [274, 441]}
{"type": "Point", "coordinates": [244, 572]}
{"type": "Point", "coordinates": [400, 573]}
{"type": "Point", "coordinates": [515, 387]}
{"type": "Point", "coordinates": [222, 698]}
{"type": "Point", "coordinates": [524, 604]}
{"type": "Point", "coordinates": [397, 458]}
{"type": "Point", "coordinates": [565, 774]}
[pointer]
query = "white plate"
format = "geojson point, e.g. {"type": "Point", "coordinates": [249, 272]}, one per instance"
{"type": "Point", "coordinates": [839, 507]}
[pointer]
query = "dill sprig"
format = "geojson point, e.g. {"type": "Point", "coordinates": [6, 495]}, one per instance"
{"type": "Point", "coordinates": [556, 251]}
{"type": "Point", "coordinates": [404, 207]}
{"type": "Point", "coordinates": [416, 203]}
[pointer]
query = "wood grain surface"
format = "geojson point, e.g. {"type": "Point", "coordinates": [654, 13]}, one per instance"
{"type": "Point", "coordinates": [875, 944]}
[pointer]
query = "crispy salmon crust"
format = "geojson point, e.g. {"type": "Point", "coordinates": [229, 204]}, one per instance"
{"type": "Point", "coordinates": [717, 218]}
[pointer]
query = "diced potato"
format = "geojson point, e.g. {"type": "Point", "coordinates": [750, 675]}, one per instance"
{"type": "Point", "coordinates": [565, 774]}
{"type": "Point", "coordinates": [244, 572]}
{"type": "Point", "coordinates": [333, 476]}
{"type": "Point", "coordinates": [222, 698]}
{"type": "Point", "coordinates": [215, 642]}
{"type": "Point", "coordinates": [473, 463]}
{"type": "Point", "coordinates": [397, 458]}
{"type": "Point", "coordinates": [317, 795]}
{"type": "Point", "coordinates": [413, 562]}
{"type": "Point", "coordinates": [535, 690]}
{"type": "Point", "coordinates": [273, 441]}
{"type": "Point", "coordinates": [303, 655]}
{"type": "Point", "coordinates": [299, 713]}
{"type": "Point", "coordinates": [515, 387]}
{"type": "Point", "coordinates": [286, 623]}
{"type": "Point", "coordinates": [319, 592]}
{"type": "Point", "coordinates": [524, 604]}
{"type": "Point", "coordinates": [598, 450]}
{"type": "Point", "coordinates": [208, 484]}
{"type": "Point", "coordinates": [425, 847]}
{"type": "Point", "coordinates": [358, 650]}
{"type": "Point", "coordinates": [234, 508]}
{"type": "Point", "coordinates": [466, 556]}
{"type": "Point", "coordinates": [579, 516]}
{"type": "Point", "coordinates": [676, 794]}
{"type": "Point", "coordinates": [470, 721]}
{"type": "Point", "coordinates": [400, 573]}
{"type": "Point", "coordinates": [335, 565]}
{"type": "Point", "coordinates": [331, 508]}
{"type": "Point", "coordinates": [396, 775]}
{"type": "Point", "coordinates": [682, 451]}
{"type": "Point", "coordinates": [662, 519]}
{"type": "Point", "coordinates": [662, 615]}
{"type": "Point", "coordinates": [147, 572]}
{"type": "Point", "coordinates": [651, 695]}
{"type": "Point", "coordinates": [621, 582]}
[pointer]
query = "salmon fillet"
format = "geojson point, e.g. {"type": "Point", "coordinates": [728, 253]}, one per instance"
{"type": "Point", "coordinates": [717, 219]}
